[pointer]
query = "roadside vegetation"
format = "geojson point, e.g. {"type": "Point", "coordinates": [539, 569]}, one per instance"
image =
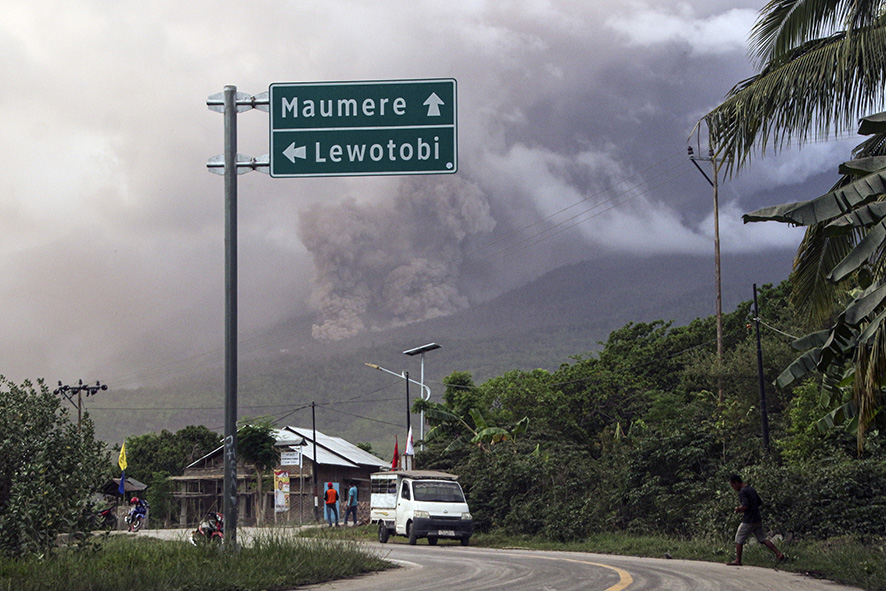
{"type": "Point", "coordinates": [629, 450]}
{"type": "Point", "coordinates": [146, 564]}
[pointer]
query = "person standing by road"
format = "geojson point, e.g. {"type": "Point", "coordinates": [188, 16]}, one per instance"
{"type": "Point", "coordinates": [751, 520]}
{"type": "Point", "coordinates": [352, 503]}
{"type": "Point", "coordinates": [331, 505]}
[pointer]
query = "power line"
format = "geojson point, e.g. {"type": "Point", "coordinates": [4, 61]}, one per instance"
{"type": "Point", "coordinates": [261, 342]}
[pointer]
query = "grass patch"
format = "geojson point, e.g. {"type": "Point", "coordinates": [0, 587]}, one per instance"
{"type": "Point", "coordinates": [270, 562]}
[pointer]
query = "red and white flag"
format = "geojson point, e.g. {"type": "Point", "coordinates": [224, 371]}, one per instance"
{"type": "Point", "coordinates": [410, 451]}
{"type": "Point", "coordinates": [396, 455]}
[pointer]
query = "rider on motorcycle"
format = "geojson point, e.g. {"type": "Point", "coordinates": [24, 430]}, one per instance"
{"type": "Point", "coordinates": [139, 510]}
{"type": "Point", "coordinates": [213, 522]}
{"type": "Point", "coordinates": [210, 529]}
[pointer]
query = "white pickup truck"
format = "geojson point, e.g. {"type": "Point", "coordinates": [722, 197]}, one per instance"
{"type": "Point", "coordinates": [419, 504]}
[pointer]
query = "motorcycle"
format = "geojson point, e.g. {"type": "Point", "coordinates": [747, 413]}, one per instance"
{"type": "Point", "coordinates": [137, 515]}
{"type": "Point", "coordinates": [107, 518]}
{"type": "Point", "coordinates": [211, 529]}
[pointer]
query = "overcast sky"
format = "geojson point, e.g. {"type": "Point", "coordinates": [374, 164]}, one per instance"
{"type": "Point", "coordinates": [573, 125]}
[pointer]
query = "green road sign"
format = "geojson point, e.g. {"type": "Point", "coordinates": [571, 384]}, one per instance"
{"type": "Point", "coordinates": [363, 128]}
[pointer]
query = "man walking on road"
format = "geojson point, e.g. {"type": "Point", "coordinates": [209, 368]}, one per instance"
{"type": "Point", "coordinates": [751, 521]}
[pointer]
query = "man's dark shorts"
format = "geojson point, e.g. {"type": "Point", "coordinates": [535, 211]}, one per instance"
{"type": "Point", "coordinates": [745, 530]}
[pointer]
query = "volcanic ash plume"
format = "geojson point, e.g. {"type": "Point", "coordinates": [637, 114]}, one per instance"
{"type": "Point", "coordinates": [394, 260]}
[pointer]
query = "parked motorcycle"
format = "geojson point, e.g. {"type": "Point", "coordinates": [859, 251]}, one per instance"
{"type": "Point", "coordinates": [106, 518]}
{"type": "Point", "coordinates": [211, 529]}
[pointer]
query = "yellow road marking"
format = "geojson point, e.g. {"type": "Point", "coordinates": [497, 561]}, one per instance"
{"type": "Point", "coordinates": [624, 577]}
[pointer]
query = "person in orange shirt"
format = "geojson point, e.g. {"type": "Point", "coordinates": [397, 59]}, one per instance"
{"type": "Point", "coordinates": [331, 505]}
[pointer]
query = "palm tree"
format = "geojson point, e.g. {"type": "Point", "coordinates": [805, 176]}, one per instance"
{"type": "Point", "coordinates": [822, 66]}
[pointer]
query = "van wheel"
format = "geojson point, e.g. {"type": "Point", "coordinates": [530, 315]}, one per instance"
{"type": "Point", "coordinates": [383, 532]}
{"type": "Point", "coordinates": [432, 541]}
{"type": "Point", "coordinates": [465, 540]}
{"type": "Point", "coordinates": [410, 531]}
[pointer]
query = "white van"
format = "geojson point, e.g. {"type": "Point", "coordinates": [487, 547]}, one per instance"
{"type": "Point", "coordinates": [419, 504]}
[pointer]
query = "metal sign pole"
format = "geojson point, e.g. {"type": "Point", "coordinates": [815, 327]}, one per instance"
{"type": "Point", "coordinates": [231, 164]}
{"type": "Point", "coordinates": [230, 476]}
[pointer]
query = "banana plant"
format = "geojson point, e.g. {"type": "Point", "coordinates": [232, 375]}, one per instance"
{"type": "Point", "coordinates": [851, 354]}
{"type": "Point", "coordinates": [480, 434]}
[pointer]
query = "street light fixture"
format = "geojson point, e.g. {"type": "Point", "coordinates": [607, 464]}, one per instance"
{"type": "Point", "coordinates": [412, 353]}
{"type": "Point", "coordinates": [425, 391]}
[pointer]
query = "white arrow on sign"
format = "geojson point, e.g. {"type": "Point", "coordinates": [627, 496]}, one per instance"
{"type": "Point", "coordinates": [433, 104]}
{"type": "Point", "coordinates": [293, 152]}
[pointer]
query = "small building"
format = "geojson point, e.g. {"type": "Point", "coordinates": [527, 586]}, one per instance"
{"type": "Point", "coordinates": [200, 488]}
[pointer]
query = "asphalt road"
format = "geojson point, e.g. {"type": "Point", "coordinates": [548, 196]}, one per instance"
{"type": "Point", "coordinates": [473, 569]}
{"type": "Point", "coordinates": [451, 567]}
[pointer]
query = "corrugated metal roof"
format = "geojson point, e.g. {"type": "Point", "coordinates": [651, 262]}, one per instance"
{"type": "Point", "coordinates": [331, 451]}
{"type": "Point", "coordinates": [338, 446]}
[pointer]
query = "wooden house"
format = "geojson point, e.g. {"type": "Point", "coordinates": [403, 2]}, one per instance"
{"type": "Point", "coordinates": [311, 464]}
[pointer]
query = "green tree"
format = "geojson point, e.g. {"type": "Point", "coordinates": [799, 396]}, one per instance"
{"type": "Point", "coordinates": [256, 445]}
{"type": "Point", "coordinates": [168, 452]}
{"type": "Point", "coordinates": [154, 457]}
{"type": "Point", "coordinates": [48, 469]}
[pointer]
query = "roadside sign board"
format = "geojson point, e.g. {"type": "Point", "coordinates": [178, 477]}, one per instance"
{"type": "Point", "coordinates": [363, 128]}
{"type": "Point", "coordinates": [290, 458]}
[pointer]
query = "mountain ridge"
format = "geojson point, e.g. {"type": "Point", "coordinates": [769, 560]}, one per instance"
{"type": "Point", "coordinates": [542, 324]}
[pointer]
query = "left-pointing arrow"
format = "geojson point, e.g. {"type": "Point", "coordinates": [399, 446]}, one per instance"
{"type": "Point", "coordinates": [293, 152]}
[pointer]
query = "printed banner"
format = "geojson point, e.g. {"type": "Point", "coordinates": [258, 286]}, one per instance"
{"type": "Point", "coordinates": [281, 491]}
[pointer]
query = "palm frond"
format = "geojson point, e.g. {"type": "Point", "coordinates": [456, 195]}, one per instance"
{"type": "Point", "coordinates": [870, 375]}
{"type": "Point", "coordinates": [820, 88]}
{"type": "Point", "coordinates": [785, 24]}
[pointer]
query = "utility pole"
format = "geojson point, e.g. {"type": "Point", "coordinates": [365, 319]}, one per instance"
{"type": "Point", "coordinates": [314, 470]}
{"type": "Point", "coordinates": [764, 415]}
{"type": "Point", "coordinates": [408, 410]}
{"type": "Point", "coordinates": [69, 392]}
{"type": "Point", "coordinates": [715, 167]}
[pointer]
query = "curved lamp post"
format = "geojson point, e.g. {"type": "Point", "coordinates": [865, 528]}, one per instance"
{"type": "Point", "coordinates": [425, 391]}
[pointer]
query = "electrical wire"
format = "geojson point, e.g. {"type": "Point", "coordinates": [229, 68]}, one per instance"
{"type": "Point", "coordinates": [776, 330]}
{"type": "Point", "coordinates": [260, 342]}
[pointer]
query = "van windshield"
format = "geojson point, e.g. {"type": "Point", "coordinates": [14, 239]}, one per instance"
{"type": "Point", "coordinates": [440, 492]}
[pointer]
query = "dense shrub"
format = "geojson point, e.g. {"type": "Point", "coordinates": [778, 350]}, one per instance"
{"type": "Point", "coordinates": [49, 468]}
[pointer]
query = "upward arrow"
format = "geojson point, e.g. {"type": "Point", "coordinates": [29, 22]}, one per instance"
{"type": "Point", "coordinates": [433, 104]}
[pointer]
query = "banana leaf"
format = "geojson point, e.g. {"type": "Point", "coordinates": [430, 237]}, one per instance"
{"type": "Point", "coordinates": [863, 166]}
{"type": "Point", "coordinates": [801, 366]}
{"type": "Point", "coordinates": [872, 124]}
{"type": "Point", "coordinates": [837, 417]}
{"type": "Point", "coordinates": [864, 305]}
{"type": "Point", "coordinates": [827, 207]}
{"type": "Point", "coordinates": [862, 217]}
{"type": "Point", "coordinates": [839, 347]}
{"type": "Point", "coordinates": [815, 339]}
{"type": "Point", "coordinates": [863, 251]}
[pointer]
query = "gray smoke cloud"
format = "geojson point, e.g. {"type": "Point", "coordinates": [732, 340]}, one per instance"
{"type": "Point", "coordinates": [393, 261]}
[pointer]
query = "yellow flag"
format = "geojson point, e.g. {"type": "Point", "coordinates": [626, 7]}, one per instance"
{"type": "Point", "coordinates": [121, 461]}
